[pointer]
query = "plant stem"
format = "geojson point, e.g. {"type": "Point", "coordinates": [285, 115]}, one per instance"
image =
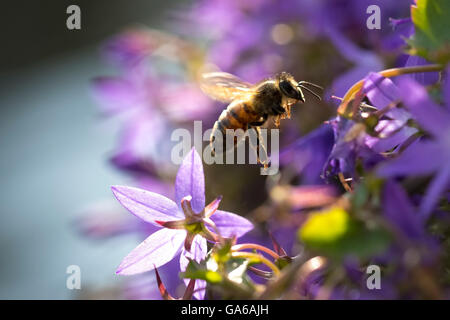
{"type": "Point", "coordinates": [259, 257]}
{"type": "Point", "coordinates": [239, 247]}
{"type": "Point", "coordinates": [389, 73]}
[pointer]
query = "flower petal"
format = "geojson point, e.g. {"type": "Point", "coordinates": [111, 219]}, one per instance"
{"type": "Point", "coordinates": [439, 183]}
{"type": "Point", "coordinates": [197, 253]}
{"type": "Point", "coordinates": [420, 158]}
{"type": "Point", "coordinates": [190, 181]}
{"type": "Point", "coordinates": [309, 154]}
{"type": "Point", "coordinates": [103, 221]}
{"type": "Point", "coordinates": [381, 91]}
{"type": "Point", "coordinates": [147, 205]}
{"type": "Point", "coordinates": [115, 94]}
{"type": "Point", "coordinates": [153, 252]}
{"type": "Point", "coordinates": [430, 116]}
{"type": "Point", "coordinates": [134, 139]}
{"type": "Point", "coordinates": [400, 212]}
{"type": "Point", "coordinates": [424, 78]}
{"type": "Point", "coordinates": [446, 88]}
{"type": "Point", "coordinates": [230, 224]}
{"type": "Point", "coordinates": [212, 207]}
{"type": "Point", "coordinates": [390, 138]}
{"type": "Point", "coordinates": [364, 60]}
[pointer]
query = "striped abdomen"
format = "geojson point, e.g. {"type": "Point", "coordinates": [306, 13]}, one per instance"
{"type": "Point", "coordinates": [237, 115]}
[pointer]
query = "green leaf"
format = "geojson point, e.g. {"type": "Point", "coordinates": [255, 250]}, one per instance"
{"type": "Point", "coordinates": [360, 196]}
{"type": "Point", "coordinates": [334, 233]}
{"type": "Point", "coordinates": [362, 243]}
{"type": "Point", "coordinates": [325, 227]}
{"type": "Point", "coordinates": [432, 25]}
{"type": "Point", "coordinates": [196, 270]}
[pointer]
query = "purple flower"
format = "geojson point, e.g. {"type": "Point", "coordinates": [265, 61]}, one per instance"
{"type": "Point", "coordinates": [133, 98]}
{"type": "Point", "coordinates": [392, 129]}
{"type": "Point", "coordinates": [390, 132]}
{"type": "Point", "coordinates": [350, 138]}
{"type": "Point", "coordinates": [146, 96]}
{"type": "Point", "coordinates": [399, 211]}
{"type": "Point", "coordinates": [148, 107]}
{"type": "Point", "coordinates": [106, 219]}
{"type": "Point", "coordinates": [424, 78]}
{"type": "Point", "coordinates": [416, 244]}
{"type": "Point", "coordinates": [127, 48]}
{"type": "Point", "coordinates": [309, 153]}
{"type": "Point", "coordinates": [365, 61]}
{"type": "Point", "coordinates": [186, 223]}
{"type": "Point", "coordinates": [117, 94]}
{"type": "Point", "coordinates": [425, 156]}
{"type": "Point", "coordinates": [403, 29]}
{"type": "Point", "coordinates": [350, 16]}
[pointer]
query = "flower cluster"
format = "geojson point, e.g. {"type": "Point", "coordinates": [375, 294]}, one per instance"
{"type": "Point", "coordinates": [365, 173]}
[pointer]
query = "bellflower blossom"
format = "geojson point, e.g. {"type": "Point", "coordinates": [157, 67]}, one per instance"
{"type": "Point", "coordinates": [390, 153]}
{"type": "Point", "coordinates": [186, 223]}
{"type": "Point", "coordinates": [403, 28]}
{"type": "Point", "coordinates": [106, 219]}
{"type": "Point", "coordinates": [309, 154]}
{"type": "Point", "coordinates": [392, 129]}
{"type": "Point", "coordinates": [400, 212]}
{"type": "Point", "coordinates": [365, 62]}
{"type": "Point", "coordinates": [426, 156]}
{"type": "Point", "coordinates": [132, 97]}
{"type": "Point", "coordinates": [352, 140]}
{"type": "Point", "coordinates": [146, 96]}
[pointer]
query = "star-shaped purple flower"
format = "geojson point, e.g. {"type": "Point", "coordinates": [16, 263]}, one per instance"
{"type": "Point", "coordinates": [426, 156]}
{"type": "Point", "coordinates": [186, 223]}
{"type": "Point", "coordinates": [391, 131]}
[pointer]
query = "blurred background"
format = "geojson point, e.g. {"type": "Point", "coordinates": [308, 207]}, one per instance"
{"type": "Point", "coordinates": [61, 153]}
{"type": "Point", "coordinates": [53, 146]}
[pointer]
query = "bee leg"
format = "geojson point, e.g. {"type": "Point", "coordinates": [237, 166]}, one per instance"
{"type": "Point", "coordinates": [211, 144]}
{"type": "Point", "coordinates": [213, 151]}
{"type": "Point", "coordinates": [265, 162]}
{"type": "Point", "coordinates": [217, 139]}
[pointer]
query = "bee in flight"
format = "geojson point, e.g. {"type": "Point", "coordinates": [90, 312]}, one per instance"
{"type": "Point", "coordinates": [251, 105]}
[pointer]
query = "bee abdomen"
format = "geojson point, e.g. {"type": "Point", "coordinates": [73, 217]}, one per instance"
{"type": "Point", "coordinates": [236, 116]}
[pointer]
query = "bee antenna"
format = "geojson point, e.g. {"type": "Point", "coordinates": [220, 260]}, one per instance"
{"type": "Point", "coordinates": [310, 91]}
{"type": "Point", "coordinates": [302, 83]}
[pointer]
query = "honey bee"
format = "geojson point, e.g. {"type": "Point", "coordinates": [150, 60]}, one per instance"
{"type": "Point", "coordinates": [251, 105]}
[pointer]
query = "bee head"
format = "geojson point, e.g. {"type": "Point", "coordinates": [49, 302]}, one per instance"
{"type": "Point", "coordinates": [289, 87]}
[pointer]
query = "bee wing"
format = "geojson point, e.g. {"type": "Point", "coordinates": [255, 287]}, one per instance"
{"type": "Point", "coordinates": [223, 86]}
